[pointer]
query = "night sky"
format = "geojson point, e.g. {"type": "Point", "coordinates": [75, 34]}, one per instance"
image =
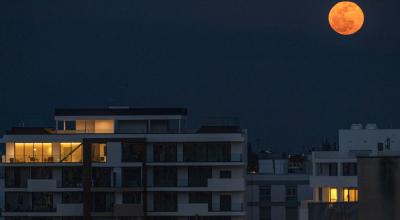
{"type": "Point", "coordinates": [276, 65]}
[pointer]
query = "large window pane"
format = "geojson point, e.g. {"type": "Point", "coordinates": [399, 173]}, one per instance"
{"type": "Point", "coordinates": [165, 152]}
{"type": "Point", "coordinates": [133, 152]}
{"type": "Point", "coordinates": [19, 153]}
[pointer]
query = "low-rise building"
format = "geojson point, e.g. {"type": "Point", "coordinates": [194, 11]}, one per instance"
{"type": "Point", "coordinates": [274, 192]}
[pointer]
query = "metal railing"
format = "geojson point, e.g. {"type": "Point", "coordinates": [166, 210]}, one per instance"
{"type": "Point", "coordinates": [31, 158]}
{"type": "Point", "coordinates": [136, 131]}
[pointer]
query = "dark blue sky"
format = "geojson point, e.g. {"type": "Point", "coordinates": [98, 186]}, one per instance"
{"type": "Point", "coordinates": [274, 64]}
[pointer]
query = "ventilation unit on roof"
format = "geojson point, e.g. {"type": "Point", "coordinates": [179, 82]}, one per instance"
{"type": "Point", "coordinates": [371, 126]}
{"type": "Point", "coordinates": [356, 127]}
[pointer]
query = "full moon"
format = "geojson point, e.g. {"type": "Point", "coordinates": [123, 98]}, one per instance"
{"type": "Point", "coordinates": [346, 18]}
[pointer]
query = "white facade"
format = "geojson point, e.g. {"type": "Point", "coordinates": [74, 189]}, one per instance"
{"type": "Point", "coordinates": [334, 176]}
{"type": "Point", "coordinates": [172, 172]}
{"type": "Point", "coordinates": [275, 194]}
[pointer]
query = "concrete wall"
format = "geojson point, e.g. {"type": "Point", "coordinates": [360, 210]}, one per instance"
{"type": "Point", "coordinates": [379, 192]}
{"type": "Point", "coordinates": [365, 139]}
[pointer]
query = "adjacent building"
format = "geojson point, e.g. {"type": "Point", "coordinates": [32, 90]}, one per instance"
{"type": "Point", "coordinates": [379, 181]}
{"type": "Point", "coordinates": [124, 163]}
{"type": "Point", "coordinates": [335, 177]}
{"type": "Point", "coordinates": [275, 191]}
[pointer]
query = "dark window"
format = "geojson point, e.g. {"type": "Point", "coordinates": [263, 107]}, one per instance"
{"type": "Point", "coordinates": [291, 213]}
{"type": "Point", "coordinates": [218, 152]}
{"type": "Point", "coordinates": [133, 152]}
{"type": "Point", "coordinates": [17, 201]}
{"type": "Point", "coordinates": [207, 152]}
{"type": "Point", "coordinates": [131, 177]}
{"type": "Point", "coordinates": [70, 125]}
{"type": "Point", "coordinates": [41, 173]}
{"type": "Point", "coordinates": [380, 146]}
{"type": "Point", "coordinates": [103, 202]}
{"type": "Point", "coordinates": [320, 195]}
{"type": "Point", "coordinates": [72, 177]}
{"type": "Point", "coordinates": [132, 197]}
{"type": "Point", "coordinates": [265, 193]}
{"type": "Point", "coordinates": [225, 174]}
{"type": "Point", "coordinates": [42, 201]}
{"type": "Point", "coordinates": [327, 169]}
{"type": "Point", "coordinates": [265, 213]}
{"type": "Point", "coordinates": [198, 176]}
{"type": "Point", "coordinates": [16, 177]}
{"type": "Point", "coordinates": [72, 197]}
{"type": "Point", "coordinates": [165, 176]}
{"type": "Point", "coordinates": [225, 203]}
{"type": "Point", "coordinates": [201, 197]}
{"type": "Point", "coordinates": [101, 176]}
{"type": "Point", "coordinates": [165, 201]}
{"type": "Point", "coordinates": [291, 193]}
{"type": "Point", "coordinates": [165, 152]}
{"type": "Point", "coordinates": [349, 169]}
{"type": "Point", "coordinates": [195, 152]}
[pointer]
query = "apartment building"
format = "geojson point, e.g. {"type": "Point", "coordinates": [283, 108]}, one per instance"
{"type": "Point", "coordinates": [124, 163]}
{"type": "Point", "coordinates": [274, 191]}
{"type": "Point", "coordinates": [335, 173]}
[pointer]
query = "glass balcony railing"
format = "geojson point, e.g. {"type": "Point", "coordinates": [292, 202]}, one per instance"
{"type": "Point", "coordinates": [228, 207]}
{"type": "Point", "coordinates": [138, 131]}
{"type": "Point", "coordinates": [183, 158]}
{"type": "Point", "coordinates": [28, 158]}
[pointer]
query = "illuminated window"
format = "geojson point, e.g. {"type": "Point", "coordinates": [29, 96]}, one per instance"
{"type": "Point", "coordinates": [71, 152]}
{"type": "Point", "coordinates": [99, 152]}
{"type": "Point", "coordinates": [32, 152]}
{"type": "Point", "coordinates": [333, 194]}
{"type": "Point", "coordinates": [350, 194]}
{"type": "Point", "coordinates": [104, 126]}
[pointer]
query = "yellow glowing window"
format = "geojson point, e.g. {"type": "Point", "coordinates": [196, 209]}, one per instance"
{"type": "Point", "coordinates": [333, 195]}
{"type": "Point", "coordinates": [350, 195]}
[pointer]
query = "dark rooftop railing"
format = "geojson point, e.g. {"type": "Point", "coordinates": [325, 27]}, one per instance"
{"type": "Point", "coordinates": [204, 130]}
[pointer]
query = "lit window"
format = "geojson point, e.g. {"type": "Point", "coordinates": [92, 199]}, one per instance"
{"type": "Point", "coordinates": [333, 195]}
{"type": "Point", "coordinates": [350, 195]}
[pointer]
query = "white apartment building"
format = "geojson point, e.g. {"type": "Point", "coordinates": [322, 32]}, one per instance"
{"type": "Point", "coordinates": [275, 191]}
{"type": "Point", "coordinates": [124, 163]}
{"type": "Point", "coordinates": [334, 176]}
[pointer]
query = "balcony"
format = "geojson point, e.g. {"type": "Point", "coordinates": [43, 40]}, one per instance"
{"type": "Point", "coordinates": [339, 210]}
{"type": "Point", "coordinates": [147, 131]}
{"type": "Point", "coordinates": [217, 184]}
{"type": "Point", "coordinates": [42, 185]}
{"type": "Point", "coordinates": [55, 158]}
{"type": "Point", "coordinates": [193, 209]}
{"type": "Point", "coordinates": [234, 207]}
{"type": "Point", "coordinates": [70, 209]}
{"type": "Point", "coordinates": [122, 210]}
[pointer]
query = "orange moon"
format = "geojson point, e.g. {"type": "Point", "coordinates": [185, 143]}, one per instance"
{"type": "Point", "coordinates": [346, 18]}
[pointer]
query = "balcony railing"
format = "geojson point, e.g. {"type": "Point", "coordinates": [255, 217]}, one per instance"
{"type": "Point", "coordinates": [56, 158]}
{"type": "Point", "coordinates": [337, 210]}
{"type": "Point", "coordinates": [137, 131]}
{"type": "Point", "coordinates": [31, 158]}
{"type": "Point", "coordinates": [233, 207]}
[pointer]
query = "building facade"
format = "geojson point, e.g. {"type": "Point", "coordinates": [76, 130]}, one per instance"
{"type": "Point", "coordinates": [335, 173]}
{"type": "Point", "coordinates": [379, 181]}
{"type": "Point", "coordinates": [124, 163]}
{"type": "Point", "coordinates": [275, 191]}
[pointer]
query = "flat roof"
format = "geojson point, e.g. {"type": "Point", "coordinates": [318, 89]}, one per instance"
{"type": "Point", "coordinates": [118, 111]}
